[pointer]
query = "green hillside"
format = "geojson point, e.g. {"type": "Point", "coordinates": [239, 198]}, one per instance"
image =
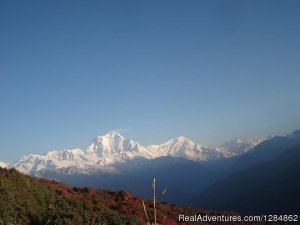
{"type": "Point", "coordinates": [26, 200]}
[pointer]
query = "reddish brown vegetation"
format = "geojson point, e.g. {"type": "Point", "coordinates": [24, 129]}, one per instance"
{"type": "Point", "coordinates": [125, 203]}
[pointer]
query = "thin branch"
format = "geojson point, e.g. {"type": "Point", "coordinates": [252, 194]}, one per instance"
{"type": "Point", "coordinates": [164, 220]}
{"type": "Point", "coordinates": [148, 223]}
{"type": "Point", "coordinates": [154, 200]}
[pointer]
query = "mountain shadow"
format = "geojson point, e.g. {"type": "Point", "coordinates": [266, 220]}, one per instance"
{"type": "Point", "coordinates": [267, 188]}
{"type": "Point", "coordinates": [183, 178]}
{"type": "Point", "coordinates": [265, 151]}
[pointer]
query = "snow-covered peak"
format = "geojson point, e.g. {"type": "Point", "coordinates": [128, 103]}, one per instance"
{"type": "Point", "coordinates": [52, 160]}
{"type": "Point", "coordinates": [111, 144]}
{"type": "Point", "coordinates": [182, 141]}
{"type": "Point", "coordinates": [184, 147]}
{"type": "Point", "coordinates": [178, 141]}
{"type": "Point", "coordinates": [239, 146]}
{"type": "Point", "coordinates": [3, 164]}
{"type": "Point", "coordinates": [112, 134]}
{"type": "Point", "coordinates": [182, 138]}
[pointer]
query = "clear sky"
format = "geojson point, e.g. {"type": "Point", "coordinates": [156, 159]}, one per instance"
{"type": "Point", "coordinates": [153, 70]}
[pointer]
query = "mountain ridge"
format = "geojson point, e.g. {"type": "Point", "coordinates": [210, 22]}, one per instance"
{"type": "Point", "coordinates": [112, 148]}
{"type": "Point", "coordinates": [272, 187]}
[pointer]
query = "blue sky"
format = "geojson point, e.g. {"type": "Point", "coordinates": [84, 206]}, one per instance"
{"type": "Point", "coordinates": [154, 70]}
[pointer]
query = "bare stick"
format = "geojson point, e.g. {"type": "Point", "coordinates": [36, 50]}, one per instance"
{"type": "Point", "coordinates": [153, 186]}
{"type": "Point", "coordinates": [164, 220]}
{"type": "Point", "coordinates": [148, 223]}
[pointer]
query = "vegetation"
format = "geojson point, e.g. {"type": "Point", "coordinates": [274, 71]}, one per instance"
{"type": "Point", "coordinates": [27, 200]}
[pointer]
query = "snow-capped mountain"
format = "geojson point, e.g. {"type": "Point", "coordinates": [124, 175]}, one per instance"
{"type": "Point", "coordinates": [112, 148]}
{"type": "Point", "coordinates": [106, 151]}
{"type": "Point", "coordinates": [3, 165]}
{"type": "Point", "coordinates": [183, 147]}
{"type": "Point", "coordinates": [238, 146]}
{"type": "Point", "coordinates": [103, 152]}
{"type": "Point", "coordinates": [68, 158]}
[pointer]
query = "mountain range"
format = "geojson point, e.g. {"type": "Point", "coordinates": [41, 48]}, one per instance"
{"type": "Point", "coordinates": [209, 177]}
{"type": "Point", "coordinates": [111, 149]}
{"type": "Point", "coordinates": [114, 162]}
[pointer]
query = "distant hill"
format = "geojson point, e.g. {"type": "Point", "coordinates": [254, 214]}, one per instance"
{"type": "Point", "coordinates": [265, 151]}
{"type": "Point", "coordinates": [267, 188]}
